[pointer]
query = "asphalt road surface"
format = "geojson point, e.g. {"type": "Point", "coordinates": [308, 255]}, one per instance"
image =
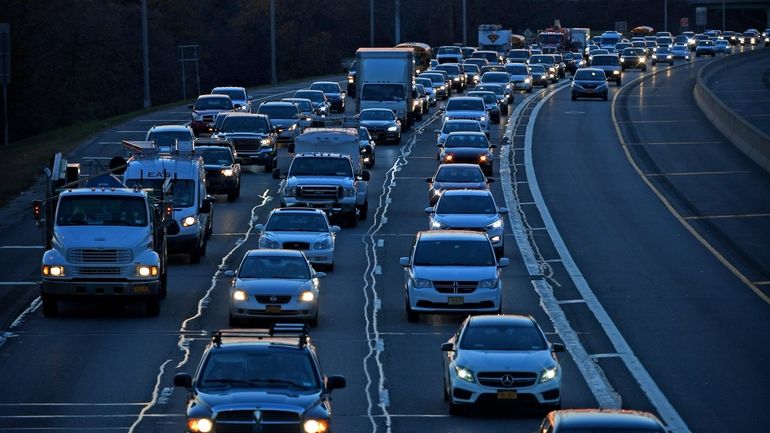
{"type": "Point", "coordinates": [628, 237]}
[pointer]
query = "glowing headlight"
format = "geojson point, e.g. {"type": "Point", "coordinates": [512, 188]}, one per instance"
{"type": "Point", "coordinates": [456, 78]}
{"type": "Point", "coordinates": [448, 157]}
{"type": "Point", "coordinates": [266, 142]}
{"type": "Point", "coordinates": [417, 72]}
{"type": "Point", "coordinates": [199, 425]}
{"type": "Point", "coordinates": [483, 119]}
{"type": "Point", "coordinates": [549, 374]}
{"type": "Point", "coordinates": [669, 56]}
{"type": "Point", "coordinates": [421, 283]}
{"type": "Point", "coordinates": [227, 172]}
{"type": "Point", "coordinates": [437, 225]}
{"type": "Point", "coordinates": [392, 128]}
{"type": "Point", "coordinates": [496, 225]}
{"type": "Point", "coordinates": [53, 271]}
{"type": "Point", "coordinates": [315, 426]}
{"type": "Point", "coordinates": [464, 373]}
{"type": "Point", "coordinates": [616, 72]}
{"type": "Point", "coordinates": [146, 271]}
{"type": "Point", "coordinates": [350, 80]}
{"type": "Point", "coordinates": [240, 295]}
{"type": "Point", "coordinates": [528, 80]}
{"type": "Point", "coordinates": [488, 284]}
{"type": "Point", "coordinates": [306, 296]}
{"type": "Point", "coordinates": [442, 88]}
{"type": "Point", "coordinates": [188, 221]}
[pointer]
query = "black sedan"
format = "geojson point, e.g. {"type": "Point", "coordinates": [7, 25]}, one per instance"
{"type": "Point", "coordinates": [333, 92]}
{"type": "Point", "coordinates": [468, 147]}
{"type": "Point", "coordinates": [589, 83]}
{"type": "Point", "coordinates": [382, 124]}
{"type": "Point", "coordinates": [633, 58]}
{"type": "Point", "coordinates": [455, 176]}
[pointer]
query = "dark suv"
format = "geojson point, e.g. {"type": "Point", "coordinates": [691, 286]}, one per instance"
{"type": "Point", "coordinates": [223, 170]}
{"type": "Point", "coordinates": [259, 380]}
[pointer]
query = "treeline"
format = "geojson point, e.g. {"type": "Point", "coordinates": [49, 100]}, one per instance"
{"type": "Point", "coordinates": [81, 60]}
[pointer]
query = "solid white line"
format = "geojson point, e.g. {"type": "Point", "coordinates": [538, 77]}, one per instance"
{"type": "Point", "coordinates": [594, 377]}
{"type": "Point", "coordinates": [646, 382]}
{"type": "Point", "coordinates": [143, 412]}
{"type": "Point", "coordinates": [34, 305]}
{"type": "Point", "coordinates": [19, 283]}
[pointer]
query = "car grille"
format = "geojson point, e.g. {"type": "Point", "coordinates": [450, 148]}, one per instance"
{"type": "Point", "coordinates": [173, 228]}
{"type": "Point", "coordinates": [246, 421]}
{"type": "Point", "coordinates": [319, 192]}
{"type": "Point", "coordinates": [589, 86]}
{"type": "Point", "coordinates": [213, 173]}
{"type": "Point", "coordinates": [452, 116]}
{"type": "Point", "coordinates": [472, 159]}
{"type": "Point", "coordinates": [85, 271]}
{"type": "Point", "coordinates": [272, 299]}
{"type": "Point", "coordinates": [207, 118]}
{"type": "Point", "coordinates": [246, 146]}
{"type": "Point", "coordinates": [517, 379]}
{"type": "Point", "coordinates": [296, 245]}
{"type": "Point", "coordinates": [96, 255]}
{"type": "Point", "coordinates": [455, 286]}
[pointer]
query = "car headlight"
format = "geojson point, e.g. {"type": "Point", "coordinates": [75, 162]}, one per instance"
{"type": "Point", "coordinates": [490, 283]}
{"type": "Point", "coordinates": [442, 88]}
{"type": "Point", "coordinates": [421, 283]}
{"type": "Point", "coordinates": [437, 225]}
{"type": "Point", "coordinates": [196, 116]}
{"type": "Point", "coordinates": [307, 296]}
{"type": "Point", "coordinates": [227, 172]}
{"type": "Point", "coordinates": [528, 80]}
{"type": "Point", "coordinates": [322, 244]}
{"type": "Point", "coordinates": [189, 221]}
{"type": "Point", "coordinates": [615, 72]}
{"type": "Point", "coordinates": [146, 271]}
{"type": "Point", "coordinates": [448, 157]}
{"type": "Point", "coordinates": [266, 142]}
{"type": "Point", "coordinates": [464, 374]}
{"type": "Point", "coordinates": [292, 127]}
{"type": "Point", "coordinates": [496, 225]}
{"type": "Point", "coordinates": [392, 128]}
{"type": "Point", "coordinates": [483, 119]}
{"type": "Point", "coordinates": [349, 191]}
{"type": "Point", "coordinates": [240, 295]}
{"type": "Point", "coordinates": [289, 191]}
{"type": "Point", "coordinates": [456, 78]}
{"type": "Point", "coordinates": [53, 271]}
{"type": "Point", "coordinates": [267, 242]}
{"type": "Point", "coordinates": [199, 425]}
{"type": "Point", "coordinates": [549, 374]}
{"type": "Point", "coordinates": [350, 80]}
{"type": "Point", "coordinates": [315, 426]}
{"type": "Point", "coordinates": [669, 56]}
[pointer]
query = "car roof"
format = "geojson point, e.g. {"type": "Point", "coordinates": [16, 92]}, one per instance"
{"type": "Point", "coordinates": [517, 320]}
{"type": "Point", "coordinates": [170, 128]}
{"type": "Point", "coordinates": [438, 235]}
{"type": "Point", "coordinates": [468, 133]}
{"type": "Point", "coordinates": [325, 82]}
{"type": "Point", "coordinates": [211, 96]}
{"type": "Point", "coordinates": [378, 109]}
{"type": "Point", "coordinates": [281, 103]}
{"type": "Point", "coordinates": [269, 252]}
{"type": "Point", "coordinates": [467, 192]}
{"type": "Point", "coordinates": [586, 418]}
{"type": "Point", "coordinates": [297, 209]}
{"type": "Point", "coordinates": [464, 98]}
{"type": "Point", "coordinates": [213, 147]}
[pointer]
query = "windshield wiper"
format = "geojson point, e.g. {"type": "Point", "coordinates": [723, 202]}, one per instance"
{"type": "Point", "coordinates": [281, 382]}
{"type": "Point", "coordinates": [230, 382]}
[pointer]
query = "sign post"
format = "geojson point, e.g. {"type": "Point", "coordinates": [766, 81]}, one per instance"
{"type": "Point", "coordinates": [700, 16]}
{"type": "Point", "coordinates": [5, 72]}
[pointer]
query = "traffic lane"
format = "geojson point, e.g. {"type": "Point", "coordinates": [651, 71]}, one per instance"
{"type": "Point", "coordinates": [413, 411]}
{"type": "Point", "coordinates": [687, 318]}
{"type": "Point", "coordinates": [708, 180]}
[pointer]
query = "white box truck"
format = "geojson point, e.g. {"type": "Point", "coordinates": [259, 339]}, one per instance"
{"type": "Point", "coordinates": [385, 79]}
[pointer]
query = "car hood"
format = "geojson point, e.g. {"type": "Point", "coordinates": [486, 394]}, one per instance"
{"type": "Point", "coordinates": [226, 135]}
{"type": "Point", "coordinates": [466, 151]}
{"type": "Point", "coordinates": [518, 77]}
{"type": "Point", "coordinates": [251, 399]}
{"type": "Point", "coordinates": [213, 111]}
{"type": "Point", "coordinates": [505, 360]}
{"type": "Point", "coordinates": [589, 82]}
{"type": "Point", "coordinates": [376, 123]}
{"type": "Point", "coordinates": [459, 185]}
{"type": "Point", "coordinates": [273, 286]}
{"type": "Point", "coordinates": [100, 236]}
{"type": "Point", "coordinates": [296, 236]}
{"type": "Point", "coordinates": [455, 273]}
{"type": "Point", "coordinates": [466, 221]}
{"type": "Point", "coordinates": [464, 113]}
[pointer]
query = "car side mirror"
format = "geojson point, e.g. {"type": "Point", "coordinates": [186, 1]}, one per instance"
{"type": "Point", "coordinates": [190, 106]}
{"type": "Point", "coordinates": [206, 205]}
{"type": "Point", "coordinates": [320, 275]}
{"type": "Point", "coordinates": [335, 382]}
{"type": "Point", "coordinates": [183, 380]}
{"type": "Point", "coordinates": [429, 179]}
{"type": "Point", "coordinates": [490, 180]}
{"type": "Point", "coordinates": [365, 176]}
{"type": "Point", "coordinates": [502, 211]}
{"type": "Point", "coordinates": [276, 173]}
{"type": "Point", "coordinates": [259, 227]}
{"type": "Point", "coordinates": [403, 261]}
{"type": "Point", "coordinates": [557, 347]}
{"type": "Point", "coordinates": [230, 273]}
{"type": "Point", "coordinates": [493, 146]}
{"type": "Point", "coordinates": [335, 229]}
{"type": "Point", "coordinates": [503, 262]}
{"type": "Point", "coordinates": [429, 210]}
{"type": "Point", "coordinates": [447, 347]}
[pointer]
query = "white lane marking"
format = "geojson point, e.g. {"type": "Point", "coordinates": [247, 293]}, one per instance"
{"type": "Point", "coordinates": [108, 142]}
{"type": "Point", "coordinates": [380, 243]}
{"type": "Point", "coordinates": [370, 282]}
{"type": "Point", "coordinates": [594, 377]}
{"type": "Point", "coordinates": [669, 414]}
{"type": "Point", "coordinates": [152, 402]}
{"type": "Point", "coordinates": [19, 283]}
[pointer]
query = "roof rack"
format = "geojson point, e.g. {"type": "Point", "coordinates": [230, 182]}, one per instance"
{"type": "Point", "coordinates": [150, 149]}
{"type": "Point", "coordinates": [300, 331]}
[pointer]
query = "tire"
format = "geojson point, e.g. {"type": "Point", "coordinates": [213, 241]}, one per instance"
{"type": "Point", "coordinates": [163, 291]}
{"type": "Point", "coordinates": [623, 68]}
{"type": "Point", "coordinates": [195, 256]}
{"type": "Point", "coordinates": [411, 315]}
{"type": "Point", "coordinates": [351, 219]}
{"type": "Point", "coordinates": [363, 211]}
{"type": "Point", "coordinates": [235, 322]}
{"type": "Point", "coordinates": [50, 305]}
{"type": "Point", "coordinates": [152, 306]}
{"type": "Point", "coordinates": [574, 97]}
{"type": "Point", "coordinates": [444, 390]}
{"type": "Point", "coordinates": [504, 110]}
{"type": "Point", "coordinates": [529, 90]}
{"type": "Point", "coordinates": [231, 196]}
{"type": "Point", "coordinates": [329, 267]}
{"type": "Point", "coordinates": [455, 409]}
{"type": "Point", "coordinates": [604, 98]}
{"type": "Point", "coordinates": [291, 147]}
{"type": "Point", "coordinates": [313, 322]}
{"type": "Point", "coordinates": [618, 82]}
{"type": "Point", "coordinates": [238, 190]}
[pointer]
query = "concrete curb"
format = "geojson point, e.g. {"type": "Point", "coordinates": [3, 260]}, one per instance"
{"type": "Point", "coordinates": [745, 136]}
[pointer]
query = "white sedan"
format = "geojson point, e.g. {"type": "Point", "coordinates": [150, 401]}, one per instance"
{"type": "Point", "coordinates": [304, 229]}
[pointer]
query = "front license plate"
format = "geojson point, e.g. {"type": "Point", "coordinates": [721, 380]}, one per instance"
{"type": "Point", "coordinates": [141, 289]}
{"type": "Point", "coordinates": [506, 395]}
{"type": "Point", "coordinates": [273, 309]}
{"type": "Point", "coordinates": [455, 300]}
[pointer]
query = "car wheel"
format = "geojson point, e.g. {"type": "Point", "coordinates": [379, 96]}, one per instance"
{"type": "Point", "coordinates": [195, 256]}
{"type": "Point", "coordinates": [363, 210]}
{"type": "Point", "coordinates": [152, 306]}
{"type": "Point", "coordinates": [445, 388]}
{"type": "Point", "coordinates": [163, 290]}
{"type": "Point", "coordinates": [504, 110]}
{"type": "Point", "coordinates": [604, 97]}
{"type": "Point", "coordinates": [529, 90]}
{"type": "Point", "coordinates": [618, 81]}
{"type": "Point", "coordinates": [455, 409]}
{"type": "Point", "coordinates": [231, 196]}
{"type": "Point", "coordinates": [329, 267]}
{"type": "Point", "coordinates": [50, 305]}
{"type": "Point", "coordinates": [313, 322]}
{"type": "Point", "coordinates": [238, 190]}
{"type": "Point", "coordinates": [351, 220]}
{"type": "Point", "coordinates": [411, 315]}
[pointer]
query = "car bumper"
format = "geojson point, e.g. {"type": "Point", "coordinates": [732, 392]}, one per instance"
{"type": "Point", "coordinates": [431, 301]}
{"type": "Point", "coordinates": [253, 309]}
{"type": "Point", "coordinates": [287, 135]}
{"type": "Point", "coordinates": [331, 208]}
{"type": "Point", "coordinates": [182, 244]}
{"type": "Point", "coordinates": [258, 159]}
{"type": "Point", "coordinates": [319, 257]}
{"type": "Point", "coordinates": [464, 392]}
{"type": "Point", "coordinates": [99, 289]}
{"type": "Point", "coordinates": [522, 85]}
{"type": "Point", "coordinates": [221, 184]}
{"type": "Point", "coordinates": [200, 127]}
{"type": "Point", "coordinates": [590, 93]}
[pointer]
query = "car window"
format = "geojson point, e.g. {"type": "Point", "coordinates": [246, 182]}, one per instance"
{"type": "Point", "coordinates": [288, 267]}
{"type": "Point", "coordinates": [502, 337]}
{"type": "Point", "coordinates": [452, 173]}
{"type": "Point", "coordinates": [234, 94]}
{"type": "Point", "coordinates": [460, 126]}
{"type": "Point", "coordinates": [466, 204]}
{"type": "Point", "coordinates": [454, 252]}
{"type": "Point", "coordinates": [466, 140]}
{"type": "Point", "coordinates": [217, 156]}
{"type": "Point", "coordinates": [588, 75]}
{"type": "Point", "coordinates": [250, 123]}
{"type": "Point", "coordinates": [278, 111]}
{"type": "Point", "coordinates": [259, 369]}
{"type": "Point", "coordinates": [465, 104]}
{"type": "Point", "coordinates": [376, 115]}
{"type": "Point", "coordinates": [326, 87]}
{"type": "Point", "coordinates": [290, 221]}
{"type": "Point", "coordinates": [214, 104]}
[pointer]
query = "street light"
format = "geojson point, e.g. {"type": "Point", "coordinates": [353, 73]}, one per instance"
{"type": "Point", "coordinates": [273, 73]}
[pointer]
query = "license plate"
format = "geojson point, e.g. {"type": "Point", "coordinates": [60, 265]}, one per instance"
{"type": "Point", "coordinates": [506, 395]}
{"type": "Point", "coordinates": [141, 289]}
{"type": "Point", "coordinates": [273, 309]}
{"type": "Point", "coordinates": [455, 300]}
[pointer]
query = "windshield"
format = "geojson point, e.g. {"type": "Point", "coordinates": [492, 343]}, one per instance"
{"type": "Point", "coordinates": [376, 115]}
{"type": "Point", "coordinates": [249, 368]}
{"type": "Point", "coordinates": [605, 60]}
{"type": "Point", "coordinates": [517, 69]}
{"type": "Point", "coordinates": [541, 59]}
{"type": "Point", "coordinates": [289, 267]}
{"type": "Point", "coordinates": [496, 88]}
{"type": "Point", "coordinates": [304, 106]}
{"type": "Point", "coordinates": [466, 204]}
{"type": "Point", "coordinates": [488, 97]}
{"type": "Point", "coordinates": [278, 111]}
{"type": "Point", "coordinates": [249, 123]}
{"type": "Point", "coordinates": [537, 68]}
{"type": "Point", "coordinates": [467, 140]}
{"type": "Point", "coordinates": [470, 67]}
{"type": "Point", "coordinates": [217, 157]}
{"type": "Point", "coordinates": [503, 337]}
{"type": "Point", "coordinates": [588, 75]}
{"type": "Point", "coordinates": [460, 126]}
{"type": "Point", "coordinates": [314, 95]}
{"type": "Point", "coordinates": [296, 222]}
{"type": "Point", "coordinates": [550, 38]}
{"type": "Point", "coordinates": [182, 190]}
{"type": "Point", "coordinates": [662, 50]}
{"type": "Point", "coordinates": [518, 55]}
{"type": "Point", "coordinates": [452, 173]}
{"type": "Point", "coordinates": [102, 210]}
{"type": "Point", "coordinates": [383, 92]}
{"type": "Point", "coordinates": [326, 87]}
{"type": "Point", "coordinates": [310, 166]}
{"type": "Point", "coordinates": [465, 104]}
{"type": "Point", "coordinates": [169, 138]}
{"type": "Point", "coordinates": [609, 40]}
{"type": "Point", "coordinates": [454, 252]}
{"type": "Point", "coordinates": [234, 94]}
{"type": "Point", "coordinates": [213, 104]}
{"type": "Point", "coordinates": [495, 77]}
{"type": "Point", "coordinates": [452, 70]}
{"type": "Point", "coordinates": [449, 50]}
{"type": "Point", "coordinates": [424, 81]}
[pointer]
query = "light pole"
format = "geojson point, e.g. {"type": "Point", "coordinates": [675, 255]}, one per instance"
{"type": "Point", "coordinates": [371, 23]}
{"type": "Point", "coordinates": [145, 56]}
{"type": "Point", "coordinates": [665, 15]}
{"type": "Point", "coordinates": [273, 72]}
{"type": "Point", "coordinates": [465, 25]}
{"type": "Point", "coordinates": [398, 22]}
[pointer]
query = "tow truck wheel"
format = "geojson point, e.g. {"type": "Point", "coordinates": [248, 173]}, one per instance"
{"type": "Point", "coordinates": [152, 306]}
{"type": "Point", "coordinates": [50, 306]}
{"type": "Point", "coordinates": [163, 291]}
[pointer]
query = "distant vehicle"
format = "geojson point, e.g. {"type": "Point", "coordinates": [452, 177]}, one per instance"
{"type": "Point", "coordinates": [421, 55]}
{"type": "Point", "coordinates": [518, 56]}
{"type": "Point", "coordinates": [501, 78]}
{"type": "Point", "coordinates": [469, 210]}
{"type": "Point", "coordinates": [468, 147]}
{"type": "Point", "coordinates": [633, 58]}
{"type": "Point", "coordinates": [223, 171]}
{"type": "Point", "coordinates": [166, 137]}
{"type": "Point", "coordinates": [435, 260]}
{"type": "Point", "coordinates": [455, 125]}
{"type": "Point", "coordinates": [334, 94]}
{"type": "Point", "coordinates": [465, 107]}
{"type": "Point", "coordinates": [502, 359]}
{"type": "Point", "coordinates": [540, 76]}
{"type": "Point", "coordinates": [385, 79]}
{"type": "Point", "coordinates": [610, 64]}
{"type": "Point", "coordinates": [490, 102]}
{"type": "Point", "coordinates": [664, 41]}
{"type": "Point", "coordinates": [493, 57]}
{"type": "Point", "coordinates": [382, 124]}
{"type": "Point", "coordinates": [606, 420]}
{"type": "Point", "coordinates": [520, 76]}
{"type": "Point", "coordinates": [284, 117]}
{"type": "Point", "coordinates": [303, 229]}
{"type": "Point", "coordinates": [321, 104]}
{"type": "Point", "coordinates": [550, 64]}
{"type": "Point", "coordinates": [439, 84]}
{"type": "Point", "coordinates": [662, 55]}
{"type": "Point", "coordinates": [449, 54]}
{"type": "Point", "coordinates": [589, 83]}
{"type": "Point", "coordinates": [456, 176]}
{"type": "Point", "coordinates": [456, 75]}
{"type": "Point", "coordinates": [204, 110]}
{"type": "Point", "coordinates": [427, 84]}
{"type": "Point", "coordinates": [723, 47]}
{"type": "Point", "coordinates": [705, 48]}
{"type": "Point", "coordinates": [609, 39]}
{"type": "Point", "coordinates": [494, 37]}
{"type": "Point", "coordinates": [253, 137]}
{"type": "Point", "coordinates": [680, 51]}
{"type": "Point", "coordinates": [241, 100]}
{"type": "Point", "coordinates": [352, 80]}
{"type": "Point", "coordinates": [276, 370]}
{"type": "Point", "coordinates": [499, 91]}
{"type": "Point", "coordinates": [472, 73]}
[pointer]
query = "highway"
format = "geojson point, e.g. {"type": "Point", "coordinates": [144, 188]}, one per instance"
{"type": "Point", "coordinates": [637, 237]}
